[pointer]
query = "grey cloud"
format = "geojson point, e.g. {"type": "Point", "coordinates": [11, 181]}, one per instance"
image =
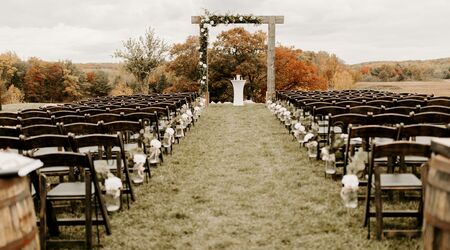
{"type": "Point", "coordinates": [90, 30]}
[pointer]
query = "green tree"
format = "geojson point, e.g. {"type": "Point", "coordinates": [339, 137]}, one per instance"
{"type": "Point", "coordinates": [142, 55]}
{"type": "Point", "coordinates": [98, 83]}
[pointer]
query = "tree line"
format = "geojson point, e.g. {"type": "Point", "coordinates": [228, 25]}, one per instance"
{"type": "Point", "coordinates": [404, 71]}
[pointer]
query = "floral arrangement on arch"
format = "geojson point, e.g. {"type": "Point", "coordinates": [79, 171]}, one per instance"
{"type": "Point", "coordinates": [209, 19]}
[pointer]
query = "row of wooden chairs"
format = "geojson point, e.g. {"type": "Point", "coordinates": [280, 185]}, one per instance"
{"type": "Point", "coordinates": [422, 133]}
{"type": "Point", "coordinates": [413, 103]}
{"type": "Point", "coordinates": [190, 96]}
{"type": "Point", "coordinates": [350, 94]}
{"type": "Point", "coordinates": [339, 123]}
{"type": "Point", "coordinates": [364, 109]}
{"type": "Point", "coordinates": [344, 120]}
{"type": "Point", "coordinates": [102, 147]}
{"type": "Point", "coordinates": [163, 112]}
{"type": "Point", "coordinates": [151, 118]}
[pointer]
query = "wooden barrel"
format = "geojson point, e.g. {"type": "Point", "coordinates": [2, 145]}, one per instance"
{"type": "Point", "coordinates": [17, 218]}
{"type": "Point", "coordinates": [437, 198]}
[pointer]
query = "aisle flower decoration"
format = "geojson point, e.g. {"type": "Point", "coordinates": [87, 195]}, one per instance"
{"type": "Point", "coordinates": [287, 117]}
{"type": "Point", "coordinates": [155, 146]}
{"type": "Point", "coordinates": [358, 162]}
{"type": "Point", "coordinates": [184, 121]}
{"type": "Point", "coordinates": [197, 113]}
{"type": "Point", "coordinates": [299, 132]}
{"type": "Point", "coordinates": [113, 185]}
{"type": "Point", "coordinates": [310, 144]}
{"type": "Point", "coordinates": [146, 136]}
{"type": "Point", "coordinates": [329, 153]}
{"type": "Point", "coordinates": [349, 192]}
{"type": "Point", "coordinates": [138, 168]}
{"type": "Point", "coordinates": [168, 137]}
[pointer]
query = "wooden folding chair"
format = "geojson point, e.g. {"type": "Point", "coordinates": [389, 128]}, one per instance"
{"type": "Point", "coordinates": [40, 129]}
{"type": "Point", "coordinates": [105, 117]}
{"type": "Point", "coordinates": [132, 136]}
{"type": "Point", "coordinates": [87, 191]}
{"type": "Point", "coordinates": [383, 182]}
{"type": "Point", "coordinates": [362, 136]}
{"type": "Point", "coordinates": [114, 161]}
{"type": "Point", "coordinates": [36, 120]}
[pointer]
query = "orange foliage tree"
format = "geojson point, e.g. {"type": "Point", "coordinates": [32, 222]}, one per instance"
{"type": "Point", "coordinates": [291, 73]}
{"type": "Point", "coordinates": [182, 71]}
{"type": "Point", "coordinates": [51, 81]}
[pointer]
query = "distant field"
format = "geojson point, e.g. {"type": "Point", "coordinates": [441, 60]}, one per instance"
{"type": "Point", "coordinates": [21, 106]}
{"type": "Point", "coordinates": [430, 87]}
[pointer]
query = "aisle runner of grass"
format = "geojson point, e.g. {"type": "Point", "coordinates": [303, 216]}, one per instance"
{"type": "Point", "coordinates": [238, 181]}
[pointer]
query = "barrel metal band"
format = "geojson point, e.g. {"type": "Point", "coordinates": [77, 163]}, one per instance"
{"type": "Point", "coordinates": [22, 242]}
{"type": "Point", "coordinates": [433, 220]}
{"type": "Point", "coordinates": [13, 200]}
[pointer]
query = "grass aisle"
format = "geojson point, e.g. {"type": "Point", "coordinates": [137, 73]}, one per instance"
{"type": "Point", "coordinates": [238, 181]}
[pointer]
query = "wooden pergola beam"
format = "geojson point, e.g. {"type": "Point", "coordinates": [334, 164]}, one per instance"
{"type": "Point", "coordinates": [263, 19]}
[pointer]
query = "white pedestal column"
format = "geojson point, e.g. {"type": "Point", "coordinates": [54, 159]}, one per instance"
{"type": "Point", "coordinates": [238, 88]}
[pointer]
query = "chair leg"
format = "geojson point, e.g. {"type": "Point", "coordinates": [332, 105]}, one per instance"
{"type": "Point", "coordinates": [378, 205]}
{"type": "Point", "coordinates": [53, 228]}
{"type": "Point", "coordinates": [103, 211]}
{"type": "Point", "coordinates": [367, 205]}
{"type": "Point", "coordinates": [88, 211]}
{"type": "Point", "coordinates": [42, 213]}
{"type": "Point", "coordinates": [149, 174]}
{"type": "Point", "coordinates": [96, 218]}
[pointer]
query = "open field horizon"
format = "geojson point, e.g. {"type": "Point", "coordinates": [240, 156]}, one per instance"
{"type": "Point", "coordinates": [438, 88]}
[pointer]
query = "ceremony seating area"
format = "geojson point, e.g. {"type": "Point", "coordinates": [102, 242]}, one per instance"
{"type": "Point", "coordinates": [95, 152]}
{"type": "Point", "coordinates": [380, 139]}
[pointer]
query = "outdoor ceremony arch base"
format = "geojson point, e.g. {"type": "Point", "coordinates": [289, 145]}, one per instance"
{"type": "Point", "coordinates": [213, 20]}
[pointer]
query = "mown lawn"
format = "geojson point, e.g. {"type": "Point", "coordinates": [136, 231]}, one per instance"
{"type": "Point", "coordinates": [238, 181]}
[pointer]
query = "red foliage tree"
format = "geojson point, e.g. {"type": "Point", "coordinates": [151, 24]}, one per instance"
{"type": "Point", "coordinates": [291, 73]}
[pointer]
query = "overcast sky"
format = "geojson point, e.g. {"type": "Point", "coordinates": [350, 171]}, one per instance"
{"type": "Point", "coordinates": [355, 30]}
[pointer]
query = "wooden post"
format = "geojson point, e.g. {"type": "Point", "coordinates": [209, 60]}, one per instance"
{"type": "Point", "coordinates": [270, 94]}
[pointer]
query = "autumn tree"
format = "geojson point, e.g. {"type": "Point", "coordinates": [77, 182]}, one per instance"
{"type": "Point", "coordinates": [142, 55]}
{"type": "Point", "coordinates": [97, 83]}
{"type": "Point", "coordinates": [185, 58]}
{"type": "Point", "coordinates": [51, 81]}
{"type": "Point", "coordinates": [35, 80]}
{"type": "Point", "coordinates": [160, 79]}
{"type": "Point", "coordinates": [120, 87]}
{"type": "Point", "coordinates": [293, 73]}
{"type": "Point", "coordinates": [13, 95]}
{"type": "Point", "coordinates": [8, 69]}
{"type": "Point", "coordinates": [238, 51]}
